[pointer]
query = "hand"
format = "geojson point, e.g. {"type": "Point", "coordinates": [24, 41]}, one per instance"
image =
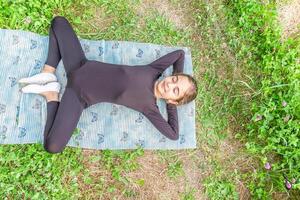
{"type": "Point", "coordinates": [171, 106]}
{"type": "Point", "coordinates": [172, 102]}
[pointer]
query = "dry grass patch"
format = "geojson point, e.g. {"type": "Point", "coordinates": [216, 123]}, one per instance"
{"type": "Point", "coordinates": [178, 15]}
{"type": "Point", "coordinates": [100, 20]}
{"type": "Point", "coordinates": [157, 183]}
{"type": "Point", "coordinates": [289, 18]}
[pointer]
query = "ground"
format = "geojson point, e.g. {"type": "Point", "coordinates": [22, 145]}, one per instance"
{"type": "Point", "coordinates": [196, 163]}
{"type": "Point", "coordinates": [289, 18]}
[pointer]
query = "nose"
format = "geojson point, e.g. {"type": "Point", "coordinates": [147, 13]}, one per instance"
{"type": "Point", "coordinates": [169, 85]}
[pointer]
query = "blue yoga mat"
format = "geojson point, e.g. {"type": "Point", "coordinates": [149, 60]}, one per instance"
{"type": "Point", "coordinates": [101, 126]}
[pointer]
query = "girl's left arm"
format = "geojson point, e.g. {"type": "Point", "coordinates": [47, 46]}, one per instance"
{"type": "Point", "coordinates": [168, 128]}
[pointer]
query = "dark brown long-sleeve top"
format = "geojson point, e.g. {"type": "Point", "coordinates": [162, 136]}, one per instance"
{"type": "Point", "coordinates": [128, 85]}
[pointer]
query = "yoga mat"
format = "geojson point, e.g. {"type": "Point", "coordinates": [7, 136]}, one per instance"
{"type": "Point", "coordinates": [101, 126]}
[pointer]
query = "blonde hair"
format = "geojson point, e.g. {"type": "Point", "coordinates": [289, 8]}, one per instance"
{"type": "Point", "coordinates": [191, 93]}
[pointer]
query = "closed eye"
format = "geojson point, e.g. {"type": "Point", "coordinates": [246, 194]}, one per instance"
{"type": "Point", "coordinates": [175, 80]}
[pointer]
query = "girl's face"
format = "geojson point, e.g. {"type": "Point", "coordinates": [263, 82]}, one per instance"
{"type": "Point", "coordinates": [173, 88]}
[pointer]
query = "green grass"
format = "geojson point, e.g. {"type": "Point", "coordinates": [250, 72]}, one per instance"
{"type": "Point", "coordinates": [273, 132]}
{"type": "Point", "coordinates": [27, 172]}
{"type": "Point", "coordinates": [220, 186]}
{"type": "Point", "coordinates": [248, 71]}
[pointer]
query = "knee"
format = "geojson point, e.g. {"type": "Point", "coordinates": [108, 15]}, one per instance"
{"type": "Point", "coordinates": [52, 148]}
{"type": "Point", "coordinates": [58, 20]}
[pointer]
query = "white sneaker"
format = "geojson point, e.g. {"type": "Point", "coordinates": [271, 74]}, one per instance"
{"type": "Point", "coordinates": [34, 88]}
{"type": "Point", "coordinates": [40, 78]}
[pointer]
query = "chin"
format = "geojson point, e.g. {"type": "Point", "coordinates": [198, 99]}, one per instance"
{"type": "Point", "coordinates": [161, 90]}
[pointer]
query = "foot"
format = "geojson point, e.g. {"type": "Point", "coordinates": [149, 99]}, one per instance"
{"type": "Point", "coordinates": [40, 78]}
{"type": "Point", "coordinates": [38, 89]}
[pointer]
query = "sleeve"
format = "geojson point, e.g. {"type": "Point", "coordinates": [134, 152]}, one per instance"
{"type": "Point", "coordinates": [168, 128]}
{"type": "Point", "coordinates": [175, 58]}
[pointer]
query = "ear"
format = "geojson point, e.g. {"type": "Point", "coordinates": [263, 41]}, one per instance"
{"type": "Point", "coordinates": [172, 102]}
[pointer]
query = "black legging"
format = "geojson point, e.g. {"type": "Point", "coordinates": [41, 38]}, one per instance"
{"type": "Point", "coordinates": [62, 117]}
